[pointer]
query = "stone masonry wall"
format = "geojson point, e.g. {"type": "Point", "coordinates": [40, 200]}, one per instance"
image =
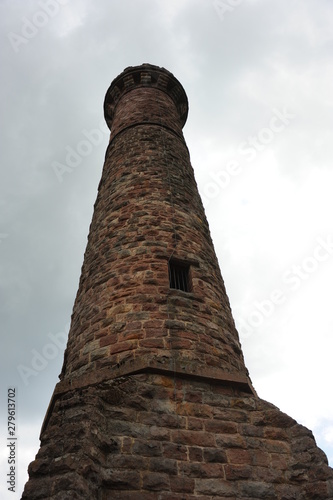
{"type": "Point", "coordinates": [148, 210]}
{"type": "Point", "coordinates": [151, 437]}
{"type": "Point", "coordinates": [154, 400]}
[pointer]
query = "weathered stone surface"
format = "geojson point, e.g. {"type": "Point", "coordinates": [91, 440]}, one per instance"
{"type": "Point", "coordinates": [122, 450]}
{"type": "Point", "coordinates": [154, 400]}
{"type": "Point", "coordinates": [148, 209]}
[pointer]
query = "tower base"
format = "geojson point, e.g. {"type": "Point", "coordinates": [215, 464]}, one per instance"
{"type": "Point", "coordinates": [150, 436]}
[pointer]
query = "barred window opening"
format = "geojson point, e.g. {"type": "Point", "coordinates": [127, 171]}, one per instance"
{"type": "Point", "coordinates": [179, 276]}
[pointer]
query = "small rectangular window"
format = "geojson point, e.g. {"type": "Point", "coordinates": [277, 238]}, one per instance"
{"type": "Point", "coordinates": [179, 276]}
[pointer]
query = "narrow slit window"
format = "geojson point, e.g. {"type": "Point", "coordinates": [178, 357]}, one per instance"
{"type": "Point", "coordinates": [179, 276]}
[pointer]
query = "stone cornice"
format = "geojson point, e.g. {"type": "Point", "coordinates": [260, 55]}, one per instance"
{"type": "Point", "coordinates": [145, 75]}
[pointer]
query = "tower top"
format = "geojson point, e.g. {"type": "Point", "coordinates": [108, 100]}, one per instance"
{"type": "Point", "coordinates": [145, 75]}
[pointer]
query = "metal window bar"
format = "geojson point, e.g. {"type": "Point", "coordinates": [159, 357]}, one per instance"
{"type": "Point", "coordinates": [179, 277]}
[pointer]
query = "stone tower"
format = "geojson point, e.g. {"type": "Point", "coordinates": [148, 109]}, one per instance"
{"type": "Point", "coordinates": [154, 399]}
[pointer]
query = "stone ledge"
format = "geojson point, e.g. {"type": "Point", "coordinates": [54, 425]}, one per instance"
{"type": "Point", "coordinates": [146, 364]}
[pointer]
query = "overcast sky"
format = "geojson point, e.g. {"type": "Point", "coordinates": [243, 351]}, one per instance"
{"type": "Point", "coordinates": [258, 75]}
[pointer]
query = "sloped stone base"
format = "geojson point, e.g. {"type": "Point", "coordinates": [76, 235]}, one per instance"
{"type": "Point", "coordinates": [149, 436]}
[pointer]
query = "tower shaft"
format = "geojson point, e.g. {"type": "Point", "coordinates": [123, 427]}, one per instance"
{"type": "Point", "coordinates": [148, 227]}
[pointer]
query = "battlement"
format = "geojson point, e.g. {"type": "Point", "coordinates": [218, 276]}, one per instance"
{"type": "Point", "coordinates": [146, 77]}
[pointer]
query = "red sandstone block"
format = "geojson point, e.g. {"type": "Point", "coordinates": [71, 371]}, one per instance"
{"type": "Point", "coordinates": [274, 446]}
{"type": "Point", "coordinates": [193, 396]}
{"type": "Point", "coordinates": [137, 334]}
{"type": "Point", "coordinates": [120, 308]}
{"type": "Point", "coordinates": [233, 415]}
{"type": "Point", "coordinates": [279, 461]}
{"type": "Point", "coordinates": [260, 457]}
{"type": "Point", "coordinates": [195, 410]}
{"type": "Point", "coordinates": [188, 334]}
{"type": "Point", "coordinates": [165, 381]}
{"type": "Point", "coordinates": [159, 433]}
{"type": "Point", "coordinates": [248, 403]}
{"type": "Point", "coordinates": [268, 475]}
{"type": "Point", "coordinates": [192, 438]}
{"type": "Point", "coordinates": [108, 339]}
{"type": "Point", "coordinates": [102, 363]}
{"type": "Point", "coordinates": [256, 489]}
{"type": "Point", "coordinates": [179, 343]}
{"type": "Point", "coordinates": [99, 353]}
{"type": "Point", "coordinates": [174, 324]}
{"type": "Point", "coordinates": [305, 443]}
{"type": "Point", "coordinates": [162, 464]}
{"type": "Point", "coordinates": [129, 462]}
{"type": "Point", "coordinates": [151, 307]}
{"type": "Point", "coordinates": [101, 333]}
{"type": "Point", "coordinates": [133, 326]}
{"type": "Point", "coordinates": [288, 491]}
{"type": "Point", "coordinates": [220, 427]}
{"type": "Point", "coordinates": [154, 481]}
{"type": "Point", "coordinates": [155, 323]}
{"type": "Point", "coordinates": [214, 455]}
{"type": "Point", "coordinates": [152, 343]}
{"type": "Point", "coordinates": [273, 418]}
{"type": "Point", "coordinates": [182, 484]}
{"type": "Point", "coordinates": [275, 433]}
{"type": "Point", "coordinates": [251, 430]}
{"type": "Point", "coordinates": [153, 332]}
{"type": "Point", "coordinates": [321, 473]}
{"type": "Point", "coordinates": [37, 467]}
{"type": "Point", "coordinates": [196, 470]}
{"type": "Point", "coordinates": [300, 431]}
{"type": "Point", "coordinates": [122, 480]}
{"type": "Point", "coordinates": [238, 456]}
{"type": "Point", "coordinates": [195, 454]}
{"type": "Point", "coordinates": [80, 362]}
{"type": "Point", "coordinates": [116, 412]}
{"type": "Point", "coordinates": [175, 450]}
{"type": "Point", "coordinates": [213, 399]}
{"type": "Point", "coordinates": [298, 475]}
{"type": "Point", "coordinates": [216, 487]}
{"type": "Point", "coordinates": [215, 361]}
{"type": "Point", "coordinates": [137, 316]}
{"type": "Point", "coordinates": [238, 472]}
{"type": "Point", "coordinates": [173, 421]}
{"type": "Point", "coordinates": [147, 448]}
{"type": "Point", "coordinates": [123, 346]}
{"type": "Point", "coordinates": [107, 322]}
{"type": "Point", "coordinates": [194, 424]}
{"type": "Point", "coordinates": [225, 441]}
